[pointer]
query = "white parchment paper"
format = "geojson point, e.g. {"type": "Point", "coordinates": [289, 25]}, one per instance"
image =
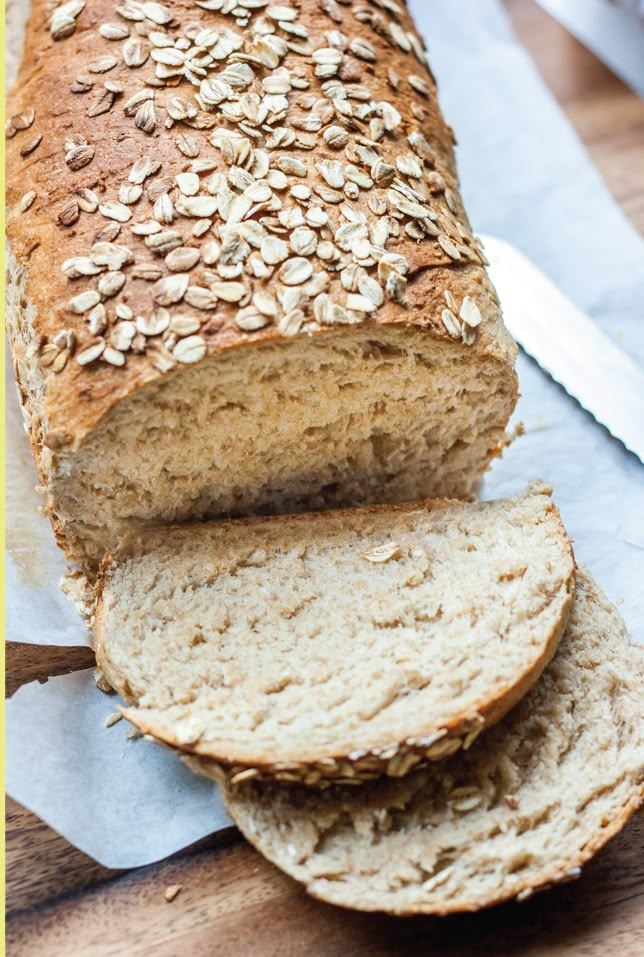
{"type": "Point", "coordinates": [37, 610]}
{"type": "Point", "coordinates": [526, 179]}
{"type": "Point", "coordinates": [124, 801]}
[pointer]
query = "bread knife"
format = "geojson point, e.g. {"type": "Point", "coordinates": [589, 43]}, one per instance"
{"type": "Point", "coordinates": [568, 345]}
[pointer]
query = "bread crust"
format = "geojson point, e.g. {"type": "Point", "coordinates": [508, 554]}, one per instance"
{"type": "Point", "coordinates": [65, 401]}
{"type": "Point", "coordinates": [427, 744]}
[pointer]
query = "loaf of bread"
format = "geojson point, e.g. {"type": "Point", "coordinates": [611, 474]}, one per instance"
{"type": "Point", "coordinates": [527, 806]}
{"type": "Point", "coordinates": [340, 645]}
{"type": "Point", "coordinates": [242, 278]}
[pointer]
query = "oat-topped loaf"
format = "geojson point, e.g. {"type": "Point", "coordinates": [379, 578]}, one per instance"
{"type": "Point", "coordinates": [242, 275]}
{"type": "Point", "coordinates": [339, 645]}
{"type": "Point", "coordinates": [527, 806]}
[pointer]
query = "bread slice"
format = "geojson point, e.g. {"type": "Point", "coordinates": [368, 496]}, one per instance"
{"type": "Point", "coordinates": [337, 645]}
{"type": "Point", "coordinates": [533, 799]}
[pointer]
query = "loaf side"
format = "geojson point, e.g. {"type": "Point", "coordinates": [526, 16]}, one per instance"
{"type": "Point", "coordinates": [190, 184]}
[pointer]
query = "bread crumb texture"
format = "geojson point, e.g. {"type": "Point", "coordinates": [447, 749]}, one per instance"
{"type": "Point", "coordinates": [319, 646]}
{"type": "Point", "coordinates": [526, 807]}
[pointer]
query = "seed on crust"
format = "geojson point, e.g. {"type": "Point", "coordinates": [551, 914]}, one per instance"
{"type": "Point", "coordinates": [155, 324]}
{"type": "Point", "coordinates": [296, 271]}
{"type": "Point", "coordinates": [470, 313]}
{"type": "Point", "coordinates": [84, 301]}
{"type": "Point", "coordinates": [102, 64]}
{"type": "Point", "coordinates": [182, 259]}
{"type": "Point", "coordinates": [188, 183]}
{"type": "Point", "coordinates": [79, 156]}
{"type": "Point", "coordinates": [189, 350]}
{"type": "Point", "coordinates": [117, 211]}
{"type": "Point", "coordinates": [97, 319]}
{"type": "Point", "coordinates": [113, 357]}
{"type": "Point", "coordinates": [87, 200]}
{"type": "Point", "coordinates": [27, 201]}
{"type": "Point", "coordinates": [263, 213]}
{"type": "Point", "coordinates": [32, 145]}
{"type": "Point", "coordinates": [364, 50]}
{"type": "Point", "coordinates": [114, 31]}
{"type": "Point", "coordinates": [274, 250]}
{"type": "Point", "coordinates": [90, 353]}
{"type": "Point", "coordinates": [250, 320]}
{"type": "Point", "coordinates": [80, 266]}
{"type": "Point", "coordinates": [229, 291]}
{"type": "Point", "coordinates": [111, 283]}
{"type": "Point", "coordinates": [170, 289]}
{"type": "Point", "coordinates": [135, 52]}
{"type": "Point", "coordinates": [449, 248]}
{"type": "Point", "coordinates": [451, 323]}
{"type": "Point", "coordinates": [182, 326]}
{"type": "Point", "coordinates": [63, 21]}
{"type": "Point", "coordinates": [20, 121]}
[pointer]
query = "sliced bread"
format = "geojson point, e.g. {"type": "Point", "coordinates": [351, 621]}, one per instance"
{"type": "Point", "coordinates": [335, 646]}
{"type": "Point", "coordinates": [533, 800]}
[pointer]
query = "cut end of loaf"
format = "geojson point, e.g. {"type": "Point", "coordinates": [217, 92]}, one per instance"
{"type": "Point", "coordinates": [533, 800]}
{"type": "Point", "coordinates": [336, 646]}
{"type": "Point", "coordinates": [367, 415]}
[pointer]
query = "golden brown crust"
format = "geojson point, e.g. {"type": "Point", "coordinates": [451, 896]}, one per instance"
{"type": "Point", "coordinates": [77, 396]}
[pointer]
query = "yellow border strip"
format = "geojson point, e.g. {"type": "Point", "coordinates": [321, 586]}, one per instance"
{"type": "Point", "coordinates": [2, 479]}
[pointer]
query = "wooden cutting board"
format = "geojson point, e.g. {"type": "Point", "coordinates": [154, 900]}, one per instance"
{"type": "Point", "coordinates": [234, 904]}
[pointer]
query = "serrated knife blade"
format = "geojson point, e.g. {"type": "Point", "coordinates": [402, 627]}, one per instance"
{"type": "Point", "coordinates": [568, 345]}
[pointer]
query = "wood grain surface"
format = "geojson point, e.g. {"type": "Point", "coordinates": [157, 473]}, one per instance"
{"type": "Point", "coordinates": [608, 116]}
{"type": "Point", "coordinates": [60, 902]}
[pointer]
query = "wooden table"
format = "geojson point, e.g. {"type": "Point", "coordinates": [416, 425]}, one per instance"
{"type": "Point", "coordinates": [232, 902]}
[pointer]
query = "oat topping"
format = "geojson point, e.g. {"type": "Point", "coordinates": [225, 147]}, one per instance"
{"type": "Point", "coordinates": [451, 323]}
{"type": "Point", "coordinates": [171, 892]}
{"type": "Point", "coordinates": [245, 217]}
{"type": "Point", "coordinates": [27, 201]}
{"type": "Point", "coordinates": [21, 121]}
{"type": "Point", "coordinates": [381, 554]}
{"type": "Point", "coordinates": [31, 145]}
{"type": "Point", "coordinates": [63, 21]}
{"type": "Point", "coordinates": [470, 313]}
